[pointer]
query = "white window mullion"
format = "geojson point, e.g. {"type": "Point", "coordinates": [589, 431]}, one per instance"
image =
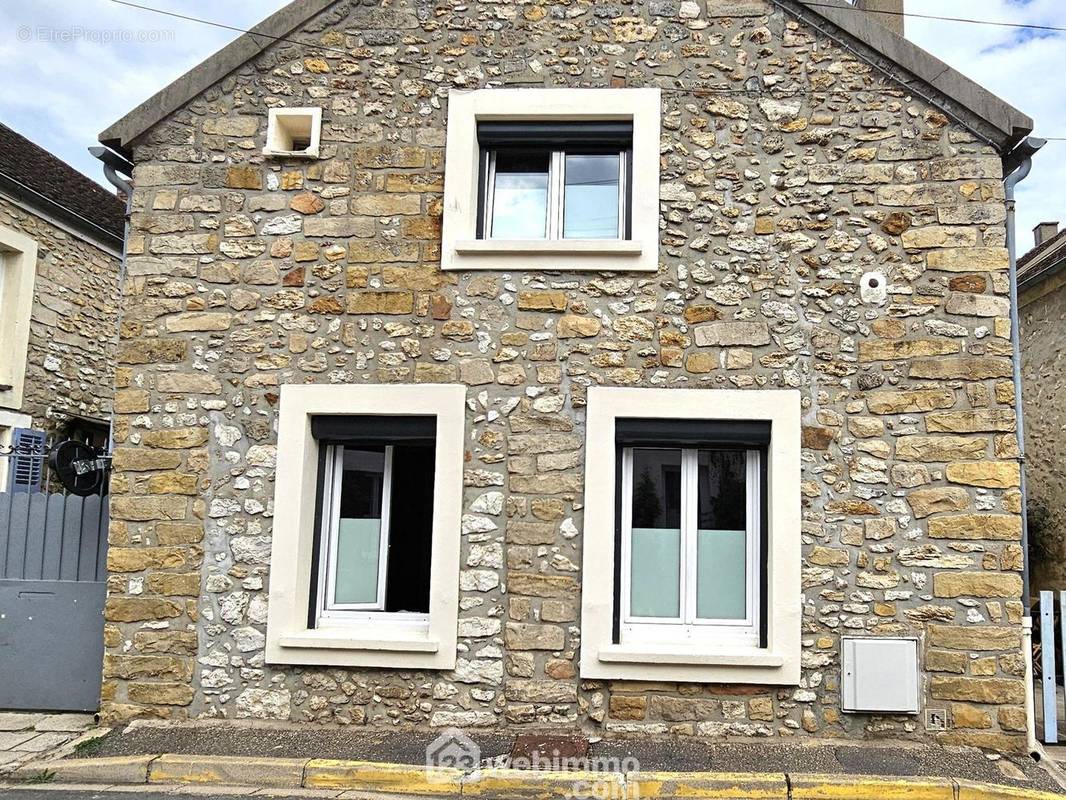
{"type": "Point", "coordinates": [383, 538]}
{"type": "Point", "coordinates": [689, 506]}
{"type": "Point", "coordinates": [331, 512]}
{"type": "Point", "coordinates": [625, 573]}
{"type": "Point", "coordinates": [556, 178]}
{"type": "Point", "coordinates": [490, 196]}
{"type": "Point", "coordinates": [754, 535]}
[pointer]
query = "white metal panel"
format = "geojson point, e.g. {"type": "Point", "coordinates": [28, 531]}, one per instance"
{"type": "Point", "coordinates": [879, 675]}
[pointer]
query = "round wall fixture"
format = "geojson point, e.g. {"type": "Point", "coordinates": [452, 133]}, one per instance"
{"type": "Point", "coordinates": [76, 465]}
{"type": "Point", "coordinates": [873, 288]}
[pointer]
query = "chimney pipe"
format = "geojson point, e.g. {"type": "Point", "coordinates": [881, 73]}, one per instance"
{"type": "Point", "coordinates": [1044, 231]}
{"type": "Point", "coordinates": [886, 13]}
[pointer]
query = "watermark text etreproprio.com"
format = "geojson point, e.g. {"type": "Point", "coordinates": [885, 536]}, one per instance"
{"type": "Point", "coordinates": [70, 34]}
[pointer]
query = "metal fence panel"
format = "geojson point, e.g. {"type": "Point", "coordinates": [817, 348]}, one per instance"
{"type": "Point", "coordinates": [71, 544]}
{"type": "Point", "coordinates": [1047, 667]}
{"type": "Point", "coordinates": [52, 542]}
{"type": "Point", "coordinates": [5, 526]}
{"type": "Point", "coordinates": [17, 532]}
{"type": "Point", "coordinates": [52, 537]}
{"type": "Point", "coordinates": [52, 588]}
{"type": "Point", "coordinates": [51, 644]}
{"type": "Point", "coordinates": [92, 546]}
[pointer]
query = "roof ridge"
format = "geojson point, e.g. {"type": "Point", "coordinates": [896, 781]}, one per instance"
{"type": "Point", "coordinates": [1006, 124]}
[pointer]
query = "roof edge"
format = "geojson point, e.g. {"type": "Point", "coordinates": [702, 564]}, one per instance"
{"type": "Point", "coordinates": [1008, 123]}
{"type": "Point", "coordinates": [1042, 265]}
{"type": "Point", "coordinates": [214, 68]}
{"type": "Point", "coordinates": [58, 214]}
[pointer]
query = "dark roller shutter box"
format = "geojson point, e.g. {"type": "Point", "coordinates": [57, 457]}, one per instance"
{"type": "Point", "coordinates": [373, 430]}
{"type": "Point", "coordinates": [640, 432]}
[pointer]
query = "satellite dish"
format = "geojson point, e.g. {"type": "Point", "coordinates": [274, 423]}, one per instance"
{"type": "Point", "coordinates": [78, 466]}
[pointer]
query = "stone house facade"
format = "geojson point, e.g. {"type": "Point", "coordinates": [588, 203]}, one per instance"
{"type": "Point", "coordinates": [1042, 306]}
{"type": "Point", "coordinates": [803, 307]}
{"type": "Point", "coordinates": [60, 252]}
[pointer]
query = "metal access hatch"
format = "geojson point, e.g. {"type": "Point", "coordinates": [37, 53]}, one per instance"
{"type": "Point", "coordinates": [879, 675]}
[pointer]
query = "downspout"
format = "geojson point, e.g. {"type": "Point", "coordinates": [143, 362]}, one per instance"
{"type": "Point", "coordinates": [1016, 167]}
{"type": "Point", "coordinates": [112, 164]}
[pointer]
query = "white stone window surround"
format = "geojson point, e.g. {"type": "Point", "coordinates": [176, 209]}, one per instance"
{"type": "Point", "coordinates": [378, 643]}
{"type": "Point", "coordinates": [686, 625]}
{"type": "Point", "coordinates": [18, 271]}
{"type": "Point", "coordinates": [776, 664]}
{"type": "Point", "coordinates": [9, 420]}
{"type": "Point", "coordinates": [460, 247]}
{"type": "Point", "coordinates": [285, 124]}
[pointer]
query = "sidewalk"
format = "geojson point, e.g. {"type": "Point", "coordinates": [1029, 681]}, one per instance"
{"type": "Point", "coordinates": [27, 736]}
{"type": "Point", "coordinates": [357, 759]}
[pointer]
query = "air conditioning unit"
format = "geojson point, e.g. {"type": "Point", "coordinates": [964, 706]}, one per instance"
{"type": "Point", "coordinates": [879, 675]}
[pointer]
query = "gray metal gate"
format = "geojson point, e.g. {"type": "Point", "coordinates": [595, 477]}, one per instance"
{"type": "Point", "coordinates": [53, 549]}
{"type": "Point", "coordinates": [1051, 672]}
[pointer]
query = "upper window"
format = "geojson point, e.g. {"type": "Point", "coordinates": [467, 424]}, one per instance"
{"type": "Point", "coordinates": [554, 181]}
{"type": "Point", "coordinates": [375, 529]}
{"type": "Point", "coordinates": [690, 538]}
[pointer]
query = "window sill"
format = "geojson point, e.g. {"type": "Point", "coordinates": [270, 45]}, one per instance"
{"type": "Point", "coordinates": [732, 657]}
{"type": "Point", "coordinates": [308, 154]}
{"type": "Point", "coordinates": [339, 639]}
{"type": "Point", "coordinates": [581, 247]}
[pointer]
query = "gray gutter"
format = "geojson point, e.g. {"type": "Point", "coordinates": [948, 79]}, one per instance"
{"type": "Point", "coordinates": [209, 72]}
{"type": "Point", "coordinates": [113, 164]}
{"type": "Point", "coordinates": [1016, 167]}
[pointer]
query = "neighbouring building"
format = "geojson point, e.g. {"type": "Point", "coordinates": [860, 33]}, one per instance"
{"type": "Point", "coordinates": [1042, 305]}
{"type": "Point", "coordinates": [636, 367]}
{"type": "Point", "coordinates": [60, 251]}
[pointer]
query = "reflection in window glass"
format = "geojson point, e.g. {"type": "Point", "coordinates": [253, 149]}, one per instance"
{"type": "Point", "coordinates": [721, 544]}
{"type": "Point", "coordinates": [655, 561]}
{"type": "Point", "coordinates": [590, 201]}
{"type": "Point", "coordinates": [359, 526]}
{"type": "Point", "coordinates": [520, 195]}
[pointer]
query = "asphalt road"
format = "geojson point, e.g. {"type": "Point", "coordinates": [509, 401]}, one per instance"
{"type": "Point", "coordinates": [42, 793]}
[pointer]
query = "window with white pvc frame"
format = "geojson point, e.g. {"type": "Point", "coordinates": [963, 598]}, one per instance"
{"type": "Point", "coordinates": [555, 181]}
{"type": "Point", "coordinates": [690, 529]}
{"type": "Point", "coordinates": [373, 553]}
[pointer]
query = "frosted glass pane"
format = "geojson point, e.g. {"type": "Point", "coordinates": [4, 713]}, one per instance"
{"type": "Point", "coordinates": [357, 560]}
{"type": "Point", "coordinates": [720, 574]}
{"type": "Point", "coordinates": [655, 569]}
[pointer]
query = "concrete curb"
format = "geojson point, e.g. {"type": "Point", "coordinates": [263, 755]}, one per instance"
{"type": "Point", "coordinates": [409, 780]}
{"type": "Point", "coordinates": [112, 769]}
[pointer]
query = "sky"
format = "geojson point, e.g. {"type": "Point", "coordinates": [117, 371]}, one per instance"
{"type": "Point", "coordinates": [75, 66]}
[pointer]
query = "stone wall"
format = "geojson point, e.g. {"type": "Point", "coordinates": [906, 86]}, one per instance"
{"type": "Point", "coordinates": [1043, 313]}
{"type": "Point", "coordinates": [247, 273]}
{"type": "Point", "coordinates": [71, 354]}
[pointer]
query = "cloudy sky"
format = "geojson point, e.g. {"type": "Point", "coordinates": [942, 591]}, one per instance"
{"type": "Point", "coordinates": [75, 66]}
